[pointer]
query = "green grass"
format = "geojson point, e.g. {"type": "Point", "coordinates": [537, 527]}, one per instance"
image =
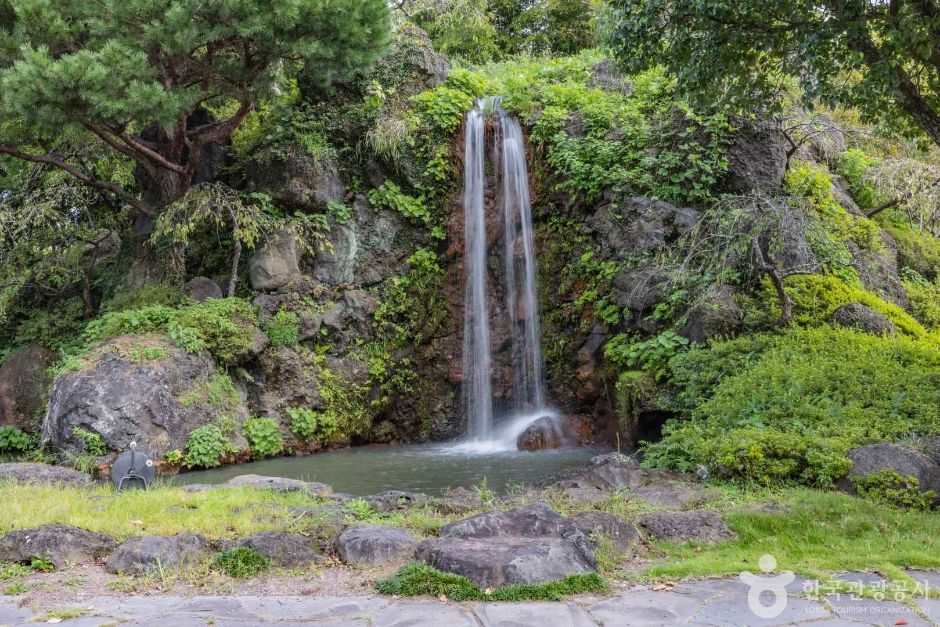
{"type": "Point", "coordinates": [241, 562]}
{"type": "Point", "coordinates": [417, 579]}
{"type": "Point", "coordinates": [821, 532]}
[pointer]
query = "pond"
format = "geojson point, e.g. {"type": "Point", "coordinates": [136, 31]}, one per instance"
{"type": "Point", "coordinates": [419, 468]}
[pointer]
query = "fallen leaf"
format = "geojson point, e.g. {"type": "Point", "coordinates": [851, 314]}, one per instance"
{"type": "Point", "coordinates": [442, 597]}
{"type": "Point", "coordinates": [900, 621]}
{"type": "Point", "coordinates": [137, 522]}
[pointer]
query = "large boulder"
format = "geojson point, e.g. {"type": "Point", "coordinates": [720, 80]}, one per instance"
{"type": "Point", "coordinates": [605, 475]}
{"type": "Point", "coordinates": [295, 178]}
{"type": "Point", "coordinates": [284, 550]}
{"type": "Point", "coordinates": [59, 544]}
{"type": "Point", "coordinates": [907, 462]}
{"type": "Point", "coordinates": [146, 555]}
{"type": "Point", "coordinates": [24, 385]}
{"type": "Point", "coordinates": [858, 316]}
{"type": "Point", "coordinates": [373, 545]}
{"type": "Point", "coordinates": [42, 474]}
{"type": "Point", "coordinates": [532, 544]}
{"type": "Point", "coordinates": [716, 315]}
{"type": "Point", "coordinates": [368, 247]}
{"type": "Point", "coordinates": [494, 562]}
{"type": "Point", "coordinates": [202, 288]}
{"type": "Point", "coordinates": [695, 526]}
{"type": "Point", "coordinates": [757, 157]}
{"type": "Point", "coordinates": [282, 377]}
{"type": "Point", "coordinates": [545, 433]}
{"type": "Point", "coordinates": [276, 263]}
{"type": "Point", "coordinates": [124, 399]}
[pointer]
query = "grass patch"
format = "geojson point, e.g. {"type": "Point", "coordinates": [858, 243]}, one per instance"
{"type": "Point", "coordinates": [241, 562]}
{"type": "Point", "coordinates": [417, 579]}
{"type": "Point", "coordinates": [820, 532]}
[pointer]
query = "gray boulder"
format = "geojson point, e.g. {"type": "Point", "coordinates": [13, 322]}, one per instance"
{"type": "Point", "coordinates": [906, 462]}
{"type": "Point", "coordinates": [696, 526]}
{"type": "Point", "coordinates": [150, 554]}
{"type": "Point", "coordinates": [276, 263]}
{"type": "Point", "coordinates": [757, 157]}
{"type": "Point", "coordinates": [33, 473]}
{"type": "Point", "coordinates": [607, 473]}
{"type": "Point", "coordinates": [396, 500]}
{"type": "Point", "coordinates": [458, 501]}
{"type": "Point", "coordinates": [284, 550]}
{"type": "Point", "coordinates": [533, 520]}
{"type": "Point", "coordinates": [24, 386]}
{"type": "Point", "coordinates": [639, 289]}
{"type": "Point", "coordinates": [202, 288]}
{"type": "Point", "coordinates": [858, 316]}
{"type": "Point", "coordinates": [123, 401]}
{"type": "Point", "coordinates": [280, 484]}
{"type": "Point", "coordinates": [716, 315]}
{"type": "Point", "coordinates": [669, 495]}
{"type": "Point", "coordinates": [500, 561]}
{"type": "Point", "coordinates": [372, 545]}
{"type": "Point", "coordinates": [623, 536]}
{"type": "Point", "coordinates": [60, 544]}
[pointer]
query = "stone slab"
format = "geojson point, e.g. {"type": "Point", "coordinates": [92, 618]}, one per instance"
{"type": "Point", "coordinates": [527, 614]}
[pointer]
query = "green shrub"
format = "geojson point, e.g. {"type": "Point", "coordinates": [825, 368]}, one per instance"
{"type": "Point", "coordinates": [206, 447]}
{"type": "Point", "coordinates": [225, 326]}
{"type": "Point", "coordinates": [925, 300]}
{"type": "Point", "coordinates": [174, 457]}
{"type": "Point", "coordinates": [148, 319]}
{"type": "Point", "coordinates": [918, 250]}
{"type": "Point", "coordinates": [889, 487]}
{"type": "Point", "coordinates": [92, 443]}
{"type": "Point", "coordinates": [241, 562]}
{"type": "Point", "coordinates": [264, 437]}
{"type": "Point", "coordinates": [303, 422]}
{"type": "Point", "coordinates": [816, 297]}
{"type": "Point", "coordinates": [390, 196]}
{"type": "Point", "coordinates": [651, 355]}
{"type": "Point", "coordinates": [788, 407]}
{"type": "Point", "coordinates": [284, 330]}
{"type": "Point", "coordinates": [14, 440]}
{"type": "Point", "coordinates": [418, 579]}
{"type": "Point", "coordinates": [158, 294]}
{"type": "Point", "coordinates": [853, 165]}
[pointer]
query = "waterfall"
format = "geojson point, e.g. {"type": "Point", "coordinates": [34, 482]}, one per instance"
{"type": "Point", "coordinates": [521, 287]}
{"type": "Point", "coordinates": [521, 297]}
{"type": "Point", "coordinates": [478, 395]}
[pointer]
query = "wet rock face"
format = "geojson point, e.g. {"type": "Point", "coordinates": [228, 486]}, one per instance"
{"type": "Point", "coordinates": [639, 225]}
{"type": "Point", "coordinates": [148, 554]}
{"type": "Point", "coordinates": [24, 385]}
{"type": "Point", "coordinates": [126, 402]}
{"type": "Point", "coordinates": [906, 462]}
{"type": "Point", "coordinates": [545, 433]}
{"type": "Point", "coordinates": [60, 544]}
{"type": "Point", "coordinates": [296, 179]}
{"type": "Point", "coordinates": [373, 545]}
{"type": "Point", "coordinates": [858, 316]}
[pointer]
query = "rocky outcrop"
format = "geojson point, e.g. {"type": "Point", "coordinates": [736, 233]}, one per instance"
{"type": "Point", "coordinates": [59, 544]}
{"type": "Point", "coordinates": [533, 544]}
{"type": "Point", "coordinates": [282, 377]}
{"type": "Point", "coordinates": [295, 178]}
{"type": "Point", "coordinates": [365, 249]}
{"type": "Point", "coordinates": [396, 500]}
{"type": "Point", "coordinates": [276, 263]}
{"type": "Point", "coordinates": [373, 545]}
{"type": "Point", "coordinates": [697, 526]}
{"type": "Point", "coordinates": [279, 484]}
{"type": "Point", "coordinates": [202, 288]}
{"type": "Point", "coordinates": [639, 225]}
{"type": "Point", "coordinates": [123, 401]}
{"type": "Point", "coordinates": [857, 315]}
{"type": "Point", "coordinates": [146, 555]}
{"type": "Point", "coordinates": [716, 315]}
{"type": "Point", "coordinates": [43, 474]}
{"type": "Point", "coordinates": [24, 385]}
{"type": "Point", "coordinates": [907, 462]}
{"type": "Point", "coordinates": [284, 550]}
{"type": "Point", "coordinates": [611, 472]}
{"type": "Point", "coordinates": [757, 157]}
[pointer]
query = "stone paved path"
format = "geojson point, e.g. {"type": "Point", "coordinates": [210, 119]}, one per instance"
{"type": "Point", "coordinates": [716, 602]}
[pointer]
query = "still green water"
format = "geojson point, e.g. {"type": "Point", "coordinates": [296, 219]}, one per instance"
{"type": "Point", "coordinates": [430, 469]}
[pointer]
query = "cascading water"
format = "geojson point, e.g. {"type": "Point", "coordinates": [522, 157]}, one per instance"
{"type": "Point", "coordinates": [520, 282]}
{"type": "Point", "coordinates": [478, 395]}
